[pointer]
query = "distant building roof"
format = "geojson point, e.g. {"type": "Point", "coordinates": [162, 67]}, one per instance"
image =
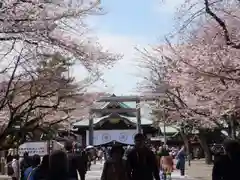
{"type": "Point", "coordinates": [85, 122]}
{"type": "Point", "coordinates": [169, 129]}
{"type": "Point", "coordinates": [102, 105]}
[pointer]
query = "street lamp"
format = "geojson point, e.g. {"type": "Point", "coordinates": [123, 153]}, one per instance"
{"type": "Point", "coordinates": [163, 116]}
{"type": "Point", "coordinates": [17, 127]}
{"type": "Point", "coordinates": [164, 127]}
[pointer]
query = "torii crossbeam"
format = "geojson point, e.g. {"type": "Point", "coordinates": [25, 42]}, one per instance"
{"type": "Point", "coordinates": [136, 99]}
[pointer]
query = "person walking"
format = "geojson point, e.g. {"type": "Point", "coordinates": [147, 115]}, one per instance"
{"type": "Point", "coordinates": [141, 162]}
{"type": "Point", "coordinates": [227, 166]}
{"type": "Point", "coordinates": [29, 172]}
{"type": "Point", "coordinates": [89, 159]}
{"type": "Point", "coordinates": [115, 168]}
{"type": "Point", "coordinates": [84, 158]}
{"type": "Point", "coordinates": [42, 171]}
{"type": "Point", "coordinates": [24, 164]}
{"type": "Point", "coordinates": [166, 167]}
{"type": "Point", "coordinates": [100, 155]}
{"type": "Point", "coordinates": [58, 166]}
{"type": "Point", "coordinates": [181, 159]}
{"type": "Point", "coordinates": [76, 163]}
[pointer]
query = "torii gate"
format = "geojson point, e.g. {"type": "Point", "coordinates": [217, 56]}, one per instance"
{"type": "Point", "coordinates": [136, 99]}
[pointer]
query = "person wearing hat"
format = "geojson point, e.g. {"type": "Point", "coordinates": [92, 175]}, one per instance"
{"type": "Point", "coordinates": [114, 168]}
{"type": "Point", "coordinates": [76, 164]}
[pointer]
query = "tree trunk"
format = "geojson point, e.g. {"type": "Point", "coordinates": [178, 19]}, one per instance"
{"type": "Point", "coordinates": [185, 141]}
{"type": "Point", "coordinates": [186, 144]}
{"type": "Point", "coordinates": [203, 142]}
{"type": "Point", "coordinates": [36, 135]}
{"type": "Point", "coordinates": [232, 128]}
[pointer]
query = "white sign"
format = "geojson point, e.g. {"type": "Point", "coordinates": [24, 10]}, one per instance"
{"type": "Point", "coordinates": [32, 148]}
{"type": "Point", "coordinates": [106, 136]}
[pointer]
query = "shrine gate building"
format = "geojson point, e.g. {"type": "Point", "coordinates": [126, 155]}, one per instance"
{"type": "Point", "coordinates": [112, 128]}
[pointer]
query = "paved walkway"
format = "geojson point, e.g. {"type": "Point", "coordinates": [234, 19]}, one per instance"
{"type": "Point", "coordinates": [95, 173]}
{"type": "Point", "coordinates": [96, 170]}
{"type": "Point", "coordinates": [199, 170]}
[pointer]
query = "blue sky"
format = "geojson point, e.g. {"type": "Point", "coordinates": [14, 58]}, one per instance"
{"type": "Point", "coordinates": [126, 25]}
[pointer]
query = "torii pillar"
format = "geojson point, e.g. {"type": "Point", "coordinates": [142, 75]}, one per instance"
{"type": "Point", "coordinates": [91, 129]}
{"type": "Point", "coordinates": [139, 129]}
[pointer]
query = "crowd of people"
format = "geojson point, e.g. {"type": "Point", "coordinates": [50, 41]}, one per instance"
{"type": "Point", "coordinates": [139, 162]}
{"type": "Point", "coordinates": [59, 165]}
{"type": "Point", "coordinates": [121, 163]}
{"type": "Point", "coordinates": [143, 162]}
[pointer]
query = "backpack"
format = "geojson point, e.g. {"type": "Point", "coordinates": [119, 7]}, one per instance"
{"type": "Point", "coordinates": [10, 170]}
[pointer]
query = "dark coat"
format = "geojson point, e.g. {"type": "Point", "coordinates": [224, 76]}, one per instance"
{"type": "Point", "coordinates": [41, 173]}
{"type": "Point", "coordinates": [114, 170]}
{"type": "Point", "coordinates": [142, 165]}
{"type": "Point", "coordinates": [181, 158]}
{"type": "Point", "coordinates": [76, 163]}
{"type": "Point", "coordinates": [226, 168]}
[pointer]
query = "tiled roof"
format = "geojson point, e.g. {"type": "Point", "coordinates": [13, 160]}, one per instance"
{"type": "Point", "coordinates": [169, 129]}
{"type": "Point", "coordinates": [145, 120]}
{"type": "Point", "coordinates": [85, 122]}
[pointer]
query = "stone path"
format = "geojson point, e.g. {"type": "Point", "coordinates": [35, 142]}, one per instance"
{"type": "Point", "coordinates": [199, 170]}
{"type": "Point", "coordinates": [96, 170]}
{"type": "Point", "coordinates": [95, 173]}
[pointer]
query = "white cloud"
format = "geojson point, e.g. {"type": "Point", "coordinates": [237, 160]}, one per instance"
{"type": "Point", "coordinates": [121, 79]}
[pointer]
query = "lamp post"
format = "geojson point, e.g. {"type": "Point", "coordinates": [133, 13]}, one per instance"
{"type": "Point", "coordinates": [18, 127]}
{"type": "Point", "coordinates": [139, 129]}
{"type": "Point", "coordinates": [163, 115]}
{"type": "Point", "coordinates": [91, 129]}
{"type": "Point", "coordinates": [164, 128]}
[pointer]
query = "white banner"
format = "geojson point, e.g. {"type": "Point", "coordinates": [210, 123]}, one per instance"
{"type": "Point", "coordinates": [32, 148]}
{"type": "Point", "coordinates": [106, 136]}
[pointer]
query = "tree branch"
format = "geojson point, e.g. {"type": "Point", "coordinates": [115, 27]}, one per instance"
{"type": "Point", "coordinates": [222, 24]}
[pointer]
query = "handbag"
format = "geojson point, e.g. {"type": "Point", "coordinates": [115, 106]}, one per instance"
{"type": "Point", "coordinates": [178, 164]}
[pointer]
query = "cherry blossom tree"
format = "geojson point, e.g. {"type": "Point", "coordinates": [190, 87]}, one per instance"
{"type": "Point", "coordinates": [193, 11]}
{"type": "Point", "coordinates": [201, 72]}
{"type": "Point", "coordinates": [213, 45]}
{"type": "Point", "coordinates": [40, 41]}
{"type": "Point", "coordinates": [42, 26]}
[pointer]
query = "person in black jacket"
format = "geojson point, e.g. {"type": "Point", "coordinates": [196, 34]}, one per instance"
{"type": "Point", "coordinates": [42, 171]}
{"type": "Point", "coordinates": [58, 166]}
{"type": "Point", "coordinates": [115, 167]}
{"type": "Point", "coordinates": [227, 166]}
{"type": "Point", "coordinates": [76, 163]}
{"type": "Point", "coordinates": [24, 164]}
{"type": "Point", "coordinates": [141, 162]}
